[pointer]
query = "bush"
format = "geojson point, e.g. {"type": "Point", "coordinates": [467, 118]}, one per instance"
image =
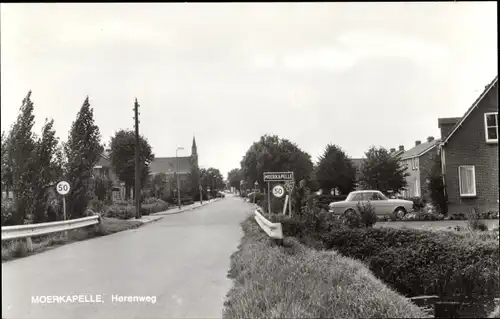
{"type": "Point", "coordinates": [323, 201]}
{"type": "Point", "coordinates": [296, 282]}
{"type": "Point", "coordinates": [120, 211]}
{"type": "Point", "coordinates": [368, 215]}
{"type": "Point", "coordinates": [154, 207]}
{"type": "Point", "coordinates": [417, 262]}
{"type": "Point", "coordinates": [475, 223]}
{"type": "Point", "coordinates": [422, 215]}
{"type": "Point", "coordinates": [457, 216]}
{"type": "Point", "coordinates": [96, 206]}
{"type": "Point", "coordinates": [418, 203]}
{"type": "Point", "coordinates": [257, 197]}
{"type": "Point", "coordinates": [7, 212]}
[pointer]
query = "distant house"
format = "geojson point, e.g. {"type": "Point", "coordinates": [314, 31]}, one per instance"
{"type": "Point", "coordinates": [183, 165]}
{"type": "Point", "coordinates": [418, 162]}
{"type": "Point", "coordinates": [358, 164]}
{"type": "Point", "coordinates": [469, 154]}
{"type": "Point", "coordinates": [393, 152]}
{"type": "Point", "coordinates": [103, 169]}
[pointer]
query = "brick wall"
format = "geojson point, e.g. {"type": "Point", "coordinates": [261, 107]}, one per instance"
{"type": "Point", "coordinates": [468, 147]}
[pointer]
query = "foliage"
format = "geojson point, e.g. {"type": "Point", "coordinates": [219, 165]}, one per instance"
{"type": "Point", "coordinates": [323, 201]}
{"type": "Point", "coordinates": [6, 164]}
{"type": "Point", "coordinates": [422, 215]}
{"type": "Point", "coordinates": [235, 177]}
{"type": "Point", "coordinates": [102, 188]}
{"type": "Point", "coordinates": [383, 172]}
{"type": "Point", "coordinates": [49, 167]}
{"type": "Point", "coordinates": [294, 281]}
{"type": "Point", "coordinates": [368, 215]}
{"type": "Point", "coordinates": [20, 151]}
{"type": "Point", "coordinates": [159, 185]}
{"type": "Point", "coordinates": [335, 170]}
{"type": "Point", "coordinates": [418, 203]}
{"type": "Point", "coordinates": [211, 178]}
{"type": "Point", "coordinates": [474, 221]}
{"type": "Point", "coordinates": [122, 157]}
{"type": "Point", "coordinates": [417, 262]}
{"type": "Point", "coordinates": [7, 212]}
{"type": "Point", "coordinates": [436, 187]}
{"type": "Point", "coordinates": [273, 154]}
{"type": "Point", "coordinates": [82, 150]}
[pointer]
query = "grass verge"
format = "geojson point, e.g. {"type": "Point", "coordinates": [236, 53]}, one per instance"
{"type": "Point", "coordinates": [297, 282]}
{"type": "Point", "coordinates": [17, 248]}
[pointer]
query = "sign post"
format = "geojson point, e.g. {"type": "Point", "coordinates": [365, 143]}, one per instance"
{"type": "Point", "coordinates": [278, 190]}
{"type": "Point", "coordinates": [256, 184]}
{"type": "Point", "coordinates": [63, 189]}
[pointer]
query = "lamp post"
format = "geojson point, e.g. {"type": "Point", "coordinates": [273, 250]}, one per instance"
{"type": "Point", "coordinates": [177, 173]}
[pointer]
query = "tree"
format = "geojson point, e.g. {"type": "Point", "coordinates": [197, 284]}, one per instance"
{"type": "Point", "coordinates": [235, 177]}
{"type": "Point", "coordinates": [436, 187]}
{"type": "Point", "coordinates": [272, 154]}
{"type": "Point", "coordinates": [212, 178]}
{"type": "Point", "coordinates": [82, 151]}
{"type": "Point", "coordinates": [6, 165]}
{"type": "Point", "coordinates": [122, 157]}
{"type": "Point", "coordinates": [382, 171]}
{"type": "Point", "coordinates": [19, 159]}
{"type": "Point", "coordinates": [159, 185]}
{"type": "Point", "coordinates": [49, 169]}
{"type": "Point", "coordinates": [335, 170]}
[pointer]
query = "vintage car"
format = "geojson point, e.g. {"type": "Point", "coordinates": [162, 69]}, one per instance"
{"type": "Point", "coordinates": [382, 205]}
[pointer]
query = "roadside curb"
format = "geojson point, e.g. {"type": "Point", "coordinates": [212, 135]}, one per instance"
{"type": "Point", "coordinates": [165, 213]}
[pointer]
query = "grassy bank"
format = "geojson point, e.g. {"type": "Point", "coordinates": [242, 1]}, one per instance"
{"type": "Point", "coordinates": [17, 248]}
{"type": "Point", "coordinates": [297, 282]}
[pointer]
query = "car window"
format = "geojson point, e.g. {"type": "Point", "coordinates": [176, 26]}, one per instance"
{"type": "Point", "coordinates": [373, 196]}
{"type": "Point", "coordinates": [356, 197]}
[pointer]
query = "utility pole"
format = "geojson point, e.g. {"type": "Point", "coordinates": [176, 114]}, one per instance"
{"type": "Point", "coordinates": [137, 190]}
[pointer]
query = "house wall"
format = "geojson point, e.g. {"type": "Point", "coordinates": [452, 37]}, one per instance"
{"type": "Point", "coordinates": [426, 163]}
{"type": "Point", "coordinates": [412, 179]}
{"type": "Point", "coordinates": [468, 147]}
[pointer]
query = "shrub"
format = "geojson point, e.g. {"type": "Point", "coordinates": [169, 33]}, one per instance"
{"type": "Point", "coordinates": [154, 207]}
{"type": "Point", "coordinates": [417, 262]}
{"type": "Point", "coordinates": [256, 196]}
{"type": "Point", "coordinates": [418, 203]}
{"type": "Point", "coordinates": [96, 206]}
{"type": "Point", "coordinates": [457, 216]}
{"type": "Point", "coordinates": [7, 212]}
{"type": "Point", "coordinates": [296, 282]}
{"type": "Point", "coordinates": [475, 223]}
{"type": "Point", "coordinates": [120, 211]}
{"type": "Point", "coordinates": [368, 215]}
{"type": "Point", "coordinates": [422, 215]}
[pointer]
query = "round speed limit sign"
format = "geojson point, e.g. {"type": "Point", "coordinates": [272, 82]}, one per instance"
{"type": "Point", "coordinates": [278, 191]}
{"type": "Point", "coordinates": [63, 188]}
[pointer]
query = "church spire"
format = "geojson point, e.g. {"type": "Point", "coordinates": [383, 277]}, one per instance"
{"type": "Point", "coordinates": [194, 150]}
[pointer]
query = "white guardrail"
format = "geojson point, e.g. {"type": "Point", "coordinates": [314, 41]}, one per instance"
{"type": "Point", "coordinates": [273, 230]}
{"type": "Point", "coordinates": [33, 230]}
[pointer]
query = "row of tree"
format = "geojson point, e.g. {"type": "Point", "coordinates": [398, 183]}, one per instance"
{"type": "Point", "coordinates": [333, 170]}
{"type": "Point", "coordinates": [32, 164]}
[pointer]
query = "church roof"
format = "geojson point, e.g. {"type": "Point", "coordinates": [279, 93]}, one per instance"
{"type": "Point", "coordinates": [168, 165]}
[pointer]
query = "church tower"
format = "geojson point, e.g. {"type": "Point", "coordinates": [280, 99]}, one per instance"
{"type": "Point", "coordinates": [194, 152]}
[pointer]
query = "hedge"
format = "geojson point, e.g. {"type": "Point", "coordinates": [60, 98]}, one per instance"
{"type": "Point", "coordinates": [418, 262]}
{"type": "Point", "coordinates": [297, 282]}
{"type": "Point", "coordinates": [125, 210]}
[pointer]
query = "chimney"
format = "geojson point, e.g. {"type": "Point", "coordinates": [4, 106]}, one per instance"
{"type": "Point", "coordinates": [393, 150]}
{"type": "Point", "coordinates": [446, 124]}
{"type": "Point", "coordinates": [417, 143]}
{"type": "Point", "coordinates": [430, 139]}
{"type": "Point", "coordinates": [401, 147]}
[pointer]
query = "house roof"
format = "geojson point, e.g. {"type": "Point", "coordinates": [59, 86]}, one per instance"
{"type": "Point", "coordinates": [469, 111]}
{"type": "Point", "coordinates": [357, 162]}
{"type": "Point", "coordinates": [420, 150]}
{"type": "Point", "coordinates": [169, 164]}
{"type": "Point", "coordinates": [396, 153]}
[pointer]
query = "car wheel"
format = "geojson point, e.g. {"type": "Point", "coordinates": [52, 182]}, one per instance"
{"type": "Point", "coordinates": [399, 213]}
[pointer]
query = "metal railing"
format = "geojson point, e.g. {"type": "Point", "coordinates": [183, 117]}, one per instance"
{"type": "Point", "coordinates": [273, 230]}
{"type": "Point", "coordinates": [33, 230]}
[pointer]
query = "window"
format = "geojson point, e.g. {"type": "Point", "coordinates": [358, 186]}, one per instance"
{"type": "Point", "coordinates": [467, 180]}
{"type": "Point", "coordinates": [417, 188]}
{"type": "Point", "coordinates": [491, 127]}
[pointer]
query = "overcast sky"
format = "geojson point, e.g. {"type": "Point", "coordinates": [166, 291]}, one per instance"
{"type": "Point", "coordinates": [353, 74]}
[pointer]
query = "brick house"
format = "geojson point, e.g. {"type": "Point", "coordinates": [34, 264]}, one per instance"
{"type": "Point", "coordinates": [418, 162]}
{"type": "Point", "coordinates": [181, 165]}
{"type": "Point", "coordinates": [103, 169]}
{"type": "Point", "coordinates": [469, 154]}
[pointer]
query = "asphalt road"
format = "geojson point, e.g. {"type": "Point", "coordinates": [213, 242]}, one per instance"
{"type": "Point", "coordinates": [181, 260]}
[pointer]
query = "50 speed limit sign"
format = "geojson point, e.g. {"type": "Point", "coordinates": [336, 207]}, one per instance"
{"type": "Point", "coordinates": [278, 191]}
{"type": "Point", "coordinates": [63, 188]}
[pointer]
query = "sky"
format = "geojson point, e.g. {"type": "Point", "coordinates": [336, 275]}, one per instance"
{"type": "Point", "coordinates": [351, 74]}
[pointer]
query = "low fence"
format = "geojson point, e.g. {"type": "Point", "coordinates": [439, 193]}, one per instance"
{"type": "Point", "coordinates": [34, 230]}
{"type": "Point", "coordinates": [273, 230]}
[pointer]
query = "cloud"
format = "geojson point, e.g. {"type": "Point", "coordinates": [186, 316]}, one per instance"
{"type": "Point", "coordinates": [323, 58]}
{"type": "Point", "coordinates": [380, 43]}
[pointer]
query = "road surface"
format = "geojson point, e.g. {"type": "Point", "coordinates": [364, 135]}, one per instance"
{"type": "Point", "coordinates": [181, 261]}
